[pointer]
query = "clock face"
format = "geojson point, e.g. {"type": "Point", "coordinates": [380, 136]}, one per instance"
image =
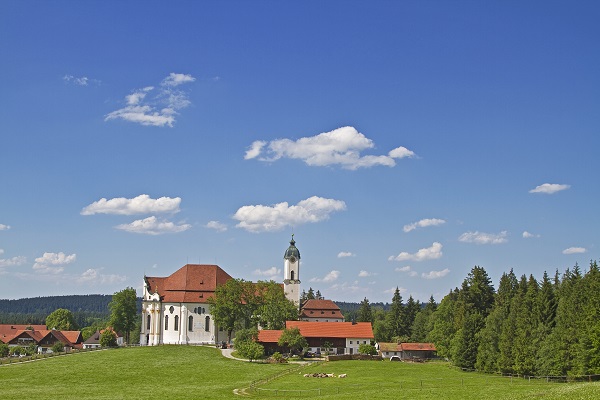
{"type": "Point", "coordinates": [292, 259]}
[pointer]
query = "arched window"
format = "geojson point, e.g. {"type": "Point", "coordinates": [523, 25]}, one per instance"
{"type": "Point", "coordinates": [148, 322]}
{"type": "Point", "coordinates": [176, 327]}
{"type": "Point", "coordinates": [292, 275]}
{"type": "Point", "coordinates": [190, 323]}
{"type": "Point", "coordinates": [166, 322]}
{"type": "Point", "coordinates": [207, 323]}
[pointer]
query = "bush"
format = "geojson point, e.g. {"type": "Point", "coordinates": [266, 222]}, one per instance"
{"type": "Point", "coordinates": [58, 347]}
{"type": "Point", "coordinates": [108, 338]}
{"type": "Point", "coordinates": [278, 358]}
{"type": "Point", "coordinates": [17, 351]}
{"type": "Point", "coordinates": [367, 349]}
{"type": "Point", "coordinates": [4, 350]}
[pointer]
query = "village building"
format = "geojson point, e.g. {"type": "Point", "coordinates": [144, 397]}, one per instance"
{"type": "Point", "coordinates": [320, 310]}
{"type": "Point", "coordinates": [39, 335]}
{"type": "Point", "coordinates": [93, 342]}
{"type": "Point", "coordinates": [342, 337]}
{"type": "Point", "coordinates": [407, 351]}
{"type": "Point", "coordinates": [175, 308]}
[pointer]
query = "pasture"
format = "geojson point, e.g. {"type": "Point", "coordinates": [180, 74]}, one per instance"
{"type": "Point", "coordinates": [183, 372]}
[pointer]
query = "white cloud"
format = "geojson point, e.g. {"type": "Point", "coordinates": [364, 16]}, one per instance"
{"type": "Point", "coordinates": [161, 109]}
{"type": "Point", "coordinates": [153, 226]}
{"type": "Point", "coordinates": [549, 188]}
{"type": "Point", "coordinates": [528, 235]}
{"type": "Point", "coordinates": [342, 146]}
{"type": "Point", "coordinates": [141, 204]}
{"type": "Point", "coordinates": [79, 81]}
{"type": "Point", "coordinates": [9, 262]}
{"type": "Point", "coordinates": [4, 227]}
{"type": "Point", "coordinates": [271, 272]}
{"type": "Point", "coordinates": [429, 253]}
{"type": "Point", "coordinates": [94, 276]}
{"type": "Point", "coordinates": [407, 269]}
{"type": "Point", "coordinates": [364, 274]}
{"type": "Point", "coordinates": [330, 277]}
{"type": "Point", "coordinates": [177, 79]}
{"type": "Point", "coordinates": [53, 263]}
{"type": "Point", "coordinates": [423, 224]}
{"type": "Point", "coordinates": [483, 238]}
{"type": "Point", "coordinates": [259, 218]}
{"type": "Point", "coordinates": [435, 274]}
{"type": "Point", "coordinates": [254, 149]}
{"type": "Point", "coordinates": [575, 250]}
{"type": "Point", "coordinates": [216, 225]}
{"type": "Point", "coordinates": [343, 254]}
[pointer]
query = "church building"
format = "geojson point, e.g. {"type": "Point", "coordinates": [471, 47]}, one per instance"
{"type": "Point", "coordinates": [175, 308]}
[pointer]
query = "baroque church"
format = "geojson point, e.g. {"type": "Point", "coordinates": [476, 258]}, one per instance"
{"type": "Point", "coordinates": [175, 308]}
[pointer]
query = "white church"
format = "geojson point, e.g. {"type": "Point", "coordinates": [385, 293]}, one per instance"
{"type": "Point", "coordinates": [175, 308]}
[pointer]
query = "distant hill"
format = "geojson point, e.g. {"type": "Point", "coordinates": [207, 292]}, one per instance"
{"type": "Point", "coordinates": [34, 310]}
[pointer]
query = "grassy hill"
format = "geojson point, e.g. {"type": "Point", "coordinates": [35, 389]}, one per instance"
{"type": "Point", "coordinates": [183, 372]}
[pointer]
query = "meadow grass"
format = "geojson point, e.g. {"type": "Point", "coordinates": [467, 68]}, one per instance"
{"type": "Point", "coordinates": [184, 372]}
{"type": "Point", "coordinates": [397, 380]}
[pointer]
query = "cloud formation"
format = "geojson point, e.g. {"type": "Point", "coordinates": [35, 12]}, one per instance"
{"type": "Point", "coordinates": [153, 226]}
{"type": "Point", "coordinates": [528, 235]}
{"type": "Point", "coordinates": [330, 277]}
{"type": "Point", "coordinates": [435, 274]}
{"type": "Point", "coordinates": [364, 274]}
{"type": "Point", "coordinates": [270, 273]}
{"type": "Point", "coordinates": [53, 263]}
{"type": "Point", "coordinates": [423, 224]}
{"type": "Point", "coordinates": [549, 188]}
{"type": "Point", "coordinates": [430, 253]}
{"type": "Point", "coordinates": [79, 81]}
{"type": "Point", "coordinates": [343, 254]}
{"type": "Point", "coordinates": [4, 227]}
{"type": "Point", "coordinates": [94, 276]}
{"type": "Point", "coordinates": [575, 250]}
{"type": "Point", "coordinates": [483, 238]}
{"type": "Point", "coordinates": [407, 269]}
{"type": "Point", "coordinates": [342, 146]}
{"type": "Point", "coordinates": [161, 109]}
{"type": "Point", "coordinates": [141, 204]}
{"type": "Point", "coordinates": [216, 225]}
{"type": "Point", "coordinates": [260, 218]}
{"type": "Point", "coordinates": [9, 262]}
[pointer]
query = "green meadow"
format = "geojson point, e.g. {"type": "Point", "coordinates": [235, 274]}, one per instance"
{"type": "Point", "coordinates": [184, 372]}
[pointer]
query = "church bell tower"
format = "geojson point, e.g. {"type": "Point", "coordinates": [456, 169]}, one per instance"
{"type": "Point", "coordinates": [291, 273]}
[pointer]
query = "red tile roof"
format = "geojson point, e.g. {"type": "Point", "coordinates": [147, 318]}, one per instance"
{"type": "Point", "coordinates": [417, 347]}
{"type": "Point", "coordinates": [192, 283]}
{"type": "Point", "coordinates": [320, 309]}
{"type": "Point", "coordinates": [10, 329]}
{"type": "Point", "coordinates": [268, 336]}
{"type": "Point", "coordinates": [342, 330]}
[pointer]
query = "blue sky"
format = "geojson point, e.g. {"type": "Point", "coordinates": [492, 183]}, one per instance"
{"type": "Point", "coordinates": [401, 142]}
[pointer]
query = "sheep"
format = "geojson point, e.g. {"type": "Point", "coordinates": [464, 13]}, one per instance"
{"type": "Point", "coordinates": [342, 375]}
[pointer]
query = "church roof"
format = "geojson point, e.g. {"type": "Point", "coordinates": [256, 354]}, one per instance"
{"type": "Point", "coordinates": [292, 250]}
{"type": "Point", "coordinates": [192, 283]}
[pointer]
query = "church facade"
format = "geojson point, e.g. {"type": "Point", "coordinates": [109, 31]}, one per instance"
{"type": "Point", "coordinates": [175, 309]}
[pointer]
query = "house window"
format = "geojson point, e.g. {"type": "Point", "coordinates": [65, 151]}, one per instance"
{"type": "Point", "coordinates": [207, 323]}
{"type": "Point", "coordinates": [176, 323]}
{"type": "Point", "coordinates": [148, 322]}
{"type": "Point", "coordinates": [351, 342]}
{"type": "Point", "coordinates": [364, 342]}
{"type": "Point", "coordinates": [166, 322]}
{"type": "Point", "coordinates": [190, 323]}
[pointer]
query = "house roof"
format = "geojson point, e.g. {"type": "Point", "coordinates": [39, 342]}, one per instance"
{"type": "Point", "coordinates": [383, 346]}
{"type": "Point", "coordinates": [10, 329]}
{"type": "Point", "coordinates": [68, 338]}
{"type": "Point", "coordinates": [321, 308]}
{"type": "Point", "coordinates": [342, 330]}
{"type": "Point", "coordinates": [192, 283]}
{"type": "Point", "coordinates": [417, 347]}
{"type": "Point", "coordinates": [95, 338]}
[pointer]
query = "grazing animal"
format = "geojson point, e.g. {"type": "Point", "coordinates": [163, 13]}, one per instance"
{"type": "Point", "coordinates": [342, 375]}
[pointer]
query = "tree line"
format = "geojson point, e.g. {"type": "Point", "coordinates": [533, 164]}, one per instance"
{"type": "Point", "coordinates": [546, 327]}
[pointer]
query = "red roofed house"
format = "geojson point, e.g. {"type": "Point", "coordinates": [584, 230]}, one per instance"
{"type": "Point", "coordinates": [175, 308]}
{"type": "Point", "coordinates": [408, 351]}
{"type": "Point", "coordinates": [25, 335]}
{"type": "Point", "coordinates": [320, 310]}
{"type": "Point", "coordinates": [345, 337]}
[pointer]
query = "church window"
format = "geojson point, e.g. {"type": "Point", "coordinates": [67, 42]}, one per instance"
{"type": "Point", "coordinates": [148, 322]}
{"type": "Point", "coordinates": [171, 309]}
{"type": "Point", "coordinates": [176, 327]}
{"type": "Point", "coordinates": [292, 275]}
{"type": "Point", "coordinates": [195, 310]}
{"type": "Point", "coordinates": [207, 323]}
{"type": "Point", "coordinates": [190, 323]}
{"type": "Point", "coordinates": [166, 322]}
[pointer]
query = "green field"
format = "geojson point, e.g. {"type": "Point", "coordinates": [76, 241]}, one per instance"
{"type": "Point", "coordinates": [180, 372]}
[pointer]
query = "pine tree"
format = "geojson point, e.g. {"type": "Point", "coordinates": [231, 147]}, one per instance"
{"type": "Point", "coordinates": [410, 313]}
{"type": "Point", "coordinates": [444, 325]}
{"type": "Point", "coordinates": [395, 317]}
{"type": "Point", "coordinates": [365, 314]}
{"type": "Point", "coordinates": [525, 346]}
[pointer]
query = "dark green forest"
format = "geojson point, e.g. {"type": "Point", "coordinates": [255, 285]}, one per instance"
{"type": "Point", "coordinates": [85, 308]}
